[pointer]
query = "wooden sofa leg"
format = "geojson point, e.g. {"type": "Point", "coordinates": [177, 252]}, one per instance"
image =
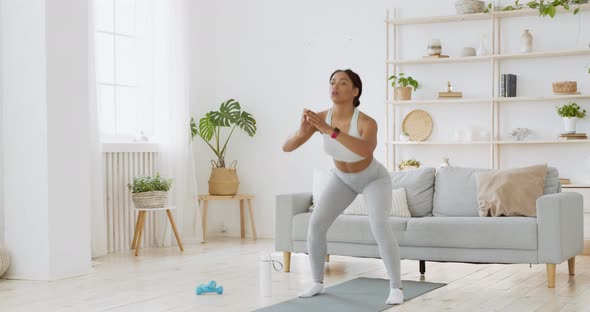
{"type": "Point", "coordinates": [551, 275]}
{"type": "Point", "coordinates": [422, 267]}
{"type": "Point", "coordinates": [287, 260]}
{"type": "Point", "coordinates": [327, 258]}
{"type": "Point", "coordinates": [571, 265]}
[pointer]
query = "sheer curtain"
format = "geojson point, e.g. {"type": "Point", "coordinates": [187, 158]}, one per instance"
{"type": "Point", "coordinates": [98, 222]}
{"type": "Point", "coordinates": [172, 117]}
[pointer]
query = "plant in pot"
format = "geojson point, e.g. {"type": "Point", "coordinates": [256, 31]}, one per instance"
{"type": "Point", "coordinates": [403, 90]}
{"type": "Point", "coordinates": [150, 192]}
{"type": "Point", "coordinates": [223, 181]}
{"type": "Point", "coordinates": [409, 164]}
{"type": "Point", "coordinates": [571, 113]}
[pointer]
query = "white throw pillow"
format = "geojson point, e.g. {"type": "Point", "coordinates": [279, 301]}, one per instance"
{"type": "Point", "coordinates": [399, 207]}
{"type": "Point", "coordinates": [358, 207]}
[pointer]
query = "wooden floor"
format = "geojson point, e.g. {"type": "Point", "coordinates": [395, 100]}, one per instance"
{"type": "Point", "coordinates": [162, 279]}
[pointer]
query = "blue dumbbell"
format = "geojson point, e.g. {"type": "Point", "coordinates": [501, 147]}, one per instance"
{"type": "Point", "coordinates": [210, 287]}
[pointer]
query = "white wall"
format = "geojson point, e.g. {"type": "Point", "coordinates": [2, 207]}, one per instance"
{"type": "Point", "coordinates": [45, 137]}
{"type": "Point", "coordinates": [1, 142]}
{"type": "Point", "coordinates": [68, 136]}
{"type": "Point", "coordinates": [25, 142]}
{"type": "Point", "coordinates": [275, 57]}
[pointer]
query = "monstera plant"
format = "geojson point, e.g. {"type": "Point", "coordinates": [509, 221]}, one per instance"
{"type": "Point", "coordinates": [223, 181]}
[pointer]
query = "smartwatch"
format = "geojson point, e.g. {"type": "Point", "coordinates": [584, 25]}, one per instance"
{"type": "Point", "coordinates": [335, 133]}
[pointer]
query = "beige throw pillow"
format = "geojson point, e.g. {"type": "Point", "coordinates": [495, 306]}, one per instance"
{"type": "Point", "coordinates": [510, 192]}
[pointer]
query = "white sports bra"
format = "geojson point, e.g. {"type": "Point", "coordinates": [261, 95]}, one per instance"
{"type": "Point", "coordinates": [336, 149]}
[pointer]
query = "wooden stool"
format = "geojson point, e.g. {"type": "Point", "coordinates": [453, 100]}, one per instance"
{"type": "Point", "coordinates": [241, 198]}
{"type": "Point", "coordinates": [141, 222]}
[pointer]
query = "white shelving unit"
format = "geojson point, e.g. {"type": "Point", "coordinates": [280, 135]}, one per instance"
{"type": "Point", "coordinates": [494, 59]}
{"type": "Point", "coordinates": [557, 141]}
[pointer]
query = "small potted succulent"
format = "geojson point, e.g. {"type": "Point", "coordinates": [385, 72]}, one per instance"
{"type": "Point", "coordinates": [150, 192]}
{"type": "Point", "coordinates": [403, 86]}
{"type": "Point", "coordinates": [409, 164]}
{"type": "Point", "coordinates": [571, 113]}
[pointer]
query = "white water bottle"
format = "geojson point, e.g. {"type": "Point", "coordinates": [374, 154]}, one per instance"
{"type": "Point", "coordinates": [264, 275]}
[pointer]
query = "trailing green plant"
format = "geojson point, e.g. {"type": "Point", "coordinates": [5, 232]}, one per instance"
{"type": "Point", "coordinates": [588, 68]}
{"type": "Point", "coordinates": [571, 110]}
{"type": "Point", "coordinates": [515, 6]}
{"type": "Point", "coordinates": [409, 163]}
{"type": "Point", "coordinates": [545, 8]}
{"type": "Point", "coordinates": [402, 81]}
{"type": "Point", "coordinates": [150, 184]}
{"type": "Point", "coordinates": [228, 115]}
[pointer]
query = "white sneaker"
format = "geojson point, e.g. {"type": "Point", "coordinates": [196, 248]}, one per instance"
{"type": "Point", "coordinates": [396, 296]}
{"type": "Point", "coordinates": [315, 289]}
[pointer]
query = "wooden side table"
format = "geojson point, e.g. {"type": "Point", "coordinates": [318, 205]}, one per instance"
{"type": "Point", "coordinates": [241, 198]}
{"type": "Point", "coordinates": [139, 225]}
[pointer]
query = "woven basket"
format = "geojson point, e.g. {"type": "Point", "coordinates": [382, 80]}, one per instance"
{"type": "Point", "coordinates": [403, 93]}
{"type": "Point", "coordinates": [565, 87]}
{"type": "Point", "coordinates": [4, 261]}
{"type": "Point", "coordinates": [157, 199]}
{"type": "Point", "coordinates": [224, 181]}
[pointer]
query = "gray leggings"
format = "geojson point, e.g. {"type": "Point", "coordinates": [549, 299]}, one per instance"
{"type": "Point", "coordinates": [374, 183]}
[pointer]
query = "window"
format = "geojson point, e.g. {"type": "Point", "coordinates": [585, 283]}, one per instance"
{"type": "Point", "coordinates": [122, 69]}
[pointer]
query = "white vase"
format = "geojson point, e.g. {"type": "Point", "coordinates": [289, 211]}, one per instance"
{"type": "Point", "coordinates": [482, 50]}
{"type": "Point", "coordinates": [404, 137]}
{"type": "Point", "coordinates": [570, 124]}
{"type": "Point", "coordinates": [526, 41]}
{"type": "Point", "coordinates": [445, 162]}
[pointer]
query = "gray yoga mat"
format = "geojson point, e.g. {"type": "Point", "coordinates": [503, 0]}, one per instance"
{"type": "Point", "coordinates": [359, 294]}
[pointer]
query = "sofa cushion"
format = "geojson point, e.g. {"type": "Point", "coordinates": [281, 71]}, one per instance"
{"type": "Point", "coordinates": [510, 192]}
{"type": "Point", "coordinates": [455, 191]}
{"type": "Point", "coordinates": [470, 232]}
{"type": "Point", "coordinates": [552, 185]}
{"type": "Point", "coordinates": [419, 185]}
{"type": "Point", "coordinates": [346, 228]}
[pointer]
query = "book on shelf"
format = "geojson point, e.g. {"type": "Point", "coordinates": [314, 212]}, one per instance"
{"type": "Point", "coordinates": [507, 85]}
{"type": "Point", "coordinates": [435, 56]}
{"type": "Point", "coordinates": [574, 138]}
{"type": "Point", "coordinates": [565, 181]}
{"type": "Point", "coordinates": [578, 134]}
{"type": "Point", "coordinates": [447, 95]}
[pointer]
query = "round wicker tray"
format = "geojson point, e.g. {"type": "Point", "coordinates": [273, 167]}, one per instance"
{"type": "Point", "coordinates": [418, 124]}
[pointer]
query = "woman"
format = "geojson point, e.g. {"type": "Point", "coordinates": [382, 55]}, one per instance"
{"type": "Point", "coordinates": [350, 137]}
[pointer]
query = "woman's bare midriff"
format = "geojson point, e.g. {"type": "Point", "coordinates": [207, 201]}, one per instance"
{"type": "Point", "coordinates": [352, 167]}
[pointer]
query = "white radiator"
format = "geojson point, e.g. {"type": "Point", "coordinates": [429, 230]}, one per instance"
{"type": "Point", "coordinates": [120, 168]}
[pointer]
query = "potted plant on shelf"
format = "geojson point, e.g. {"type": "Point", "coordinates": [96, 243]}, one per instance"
{"type": "Point", "coordinates": [403, 90]}
{"type": "Point", "coordinates": [150, 192]}
{"type": "Point", "coordinates": [571, 113]}
{"type": "Point", "coordinates": [223, 181]}
{"type": "Point", "coordinates": [409, 164]}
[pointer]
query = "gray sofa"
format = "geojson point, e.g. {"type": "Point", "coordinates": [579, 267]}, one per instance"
{"type": "Point", "coordinates": [445, 224]}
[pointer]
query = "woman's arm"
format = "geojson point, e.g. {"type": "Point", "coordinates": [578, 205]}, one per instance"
{"type": "Point", "coordinates": [302, 135]}
{"type": "Point", "coordinates": [363, 146]}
